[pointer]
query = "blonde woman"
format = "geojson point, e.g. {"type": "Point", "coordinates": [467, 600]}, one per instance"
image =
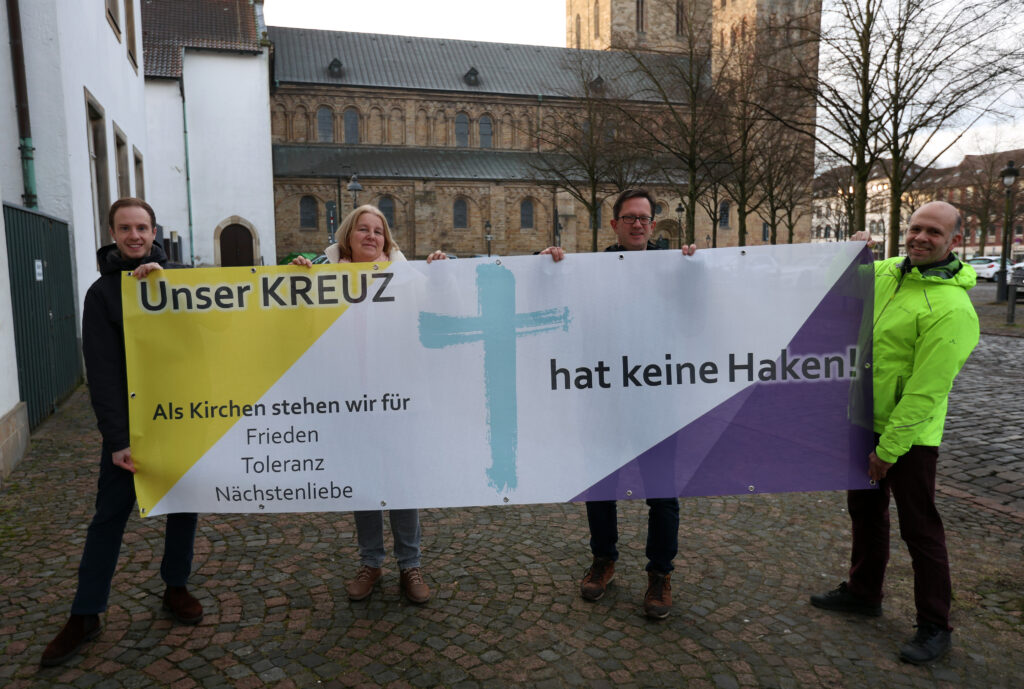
{"type": "Point", "coordinates": [364, 237]}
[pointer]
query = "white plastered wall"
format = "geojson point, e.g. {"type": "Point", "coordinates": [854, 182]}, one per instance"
{"type": "Point", "coordinates": [227, 106]}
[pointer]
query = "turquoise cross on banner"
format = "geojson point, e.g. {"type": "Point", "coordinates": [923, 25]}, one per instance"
{"type": "Point", "coordinates": [498, 326]}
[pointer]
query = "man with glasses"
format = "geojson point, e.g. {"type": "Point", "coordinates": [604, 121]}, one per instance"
{"type": "Point", "coordinates": [633, 222]}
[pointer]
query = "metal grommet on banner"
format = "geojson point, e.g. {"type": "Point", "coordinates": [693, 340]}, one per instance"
{"type": "Point", "coordinates": [498, 262]}
{"type": "Point", "coordinates": [376, 267]}
{"type": "Point", "coordinates": [628, 493]}
{"type": "Point", "coordinates": [621, 257]}
{"type": "Point", "coordinates": [872, 482]}
{"type": "Point", "coordinates": [383, 504]}
{"type": "Point", "coordinates": [132, 395]}
{"type": "Point", "coordinates": [505, 499]}
{"type": "Point", "coordinates": [750, 488]}
{"type": "Point", "coordinates": [252, 270]}
{"type": "Point", "coordinates": [743, 253]}
{"type": "Point", "coordinates": [867, 364]}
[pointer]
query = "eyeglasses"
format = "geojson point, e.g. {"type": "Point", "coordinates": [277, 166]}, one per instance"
{"type": "Point", "coordinates": [645, 220]}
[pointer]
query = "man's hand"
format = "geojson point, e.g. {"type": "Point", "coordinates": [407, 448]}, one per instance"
{"type": "Point", "coordinates": [145, 269]}
{"type": "Point", "coordinates": [689, 250]}
{"type": "Point", "coordinates": [877, 469]}
{"type": "Point", "coordinates": [123, 459]}
{"type": "Point", "coordinates": [557, 253]}
{"type": "Point", "coordinates": [863, 236]}
{"type": "Point", "coordinates": [437, 256]}
{"type": "Point", "coordinates": [302, 261]}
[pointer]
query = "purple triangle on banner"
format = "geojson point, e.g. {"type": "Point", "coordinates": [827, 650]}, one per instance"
{"type": "Point", "coordinates": [778, 436]}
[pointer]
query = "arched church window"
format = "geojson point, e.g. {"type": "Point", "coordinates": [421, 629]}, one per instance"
{"type": "Point", "coordinates": [324, 124]}
{"type": "Point", "coordinates": [351, 126]}
{"type": "Point", "coordinates": [386, 205]}
{"type": "Point", "coordinates": [486, 131]}
{"type": "Point", "coordinates": [460, 214]}
{"type": "Point", "coordinates": [526, 213]}
{"type": "Point", "coordinates": [308, 212]}
{"type": "Point", "coordinates": [462, 130]}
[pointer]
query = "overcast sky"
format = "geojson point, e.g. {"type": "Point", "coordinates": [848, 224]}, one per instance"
{"type": "Point", "coordinates": [535, 22]}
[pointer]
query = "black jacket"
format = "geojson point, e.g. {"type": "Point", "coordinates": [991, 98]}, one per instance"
{"type": "Point", "coordinates": [103, 343]}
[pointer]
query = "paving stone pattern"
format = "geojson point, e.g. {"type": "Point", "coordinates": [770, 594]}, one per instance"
{"type": "Point", "coordinates": [506, 610]}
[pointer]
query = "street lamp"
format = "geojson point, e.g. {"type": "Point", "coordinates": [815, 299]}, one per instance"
{"type": "Point", "coordinates": [679, 222]}
{"type": "Point", "coordinates": [355, 187]}
{"type": "Point", "coordinates": [1009, 175]}
{"type": "Point", "coordinates": [488, 236]}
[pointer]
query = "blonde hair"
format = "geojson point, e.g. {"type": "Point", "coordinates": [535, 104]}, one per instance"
{"type": "Point", "coordinates": [341, 235]}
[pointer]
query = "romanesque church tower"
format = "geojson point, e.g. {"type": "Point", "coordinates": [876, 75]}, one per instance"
{"type": "Point", "coordinates": [667, 25]}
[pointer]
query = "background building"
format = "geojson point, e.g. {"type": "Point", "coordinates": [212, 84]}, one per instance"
{"type": "Point", "coordinates": [446, 136]}
{"type": "Point", "coordinates": [207, 109]}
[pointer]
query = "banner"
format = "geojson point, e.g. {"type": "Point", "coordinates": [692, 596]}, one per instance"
{"type": "Point", "coordinates": [500, 381]}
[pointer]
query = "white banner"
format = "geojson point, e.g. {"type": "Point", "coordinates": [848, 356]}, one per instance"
{"type": "Point", "coordinates": [496, 381]}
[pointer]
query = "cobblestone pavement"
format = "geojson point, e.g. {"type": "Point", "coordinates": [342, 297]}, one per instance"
{"type": "Point", "coordinates": [506, 609]}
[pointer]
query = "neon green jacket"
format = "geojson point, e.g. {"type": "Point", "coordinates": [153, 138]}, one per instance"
{"type": "Point", "coordinates": [925, 328]}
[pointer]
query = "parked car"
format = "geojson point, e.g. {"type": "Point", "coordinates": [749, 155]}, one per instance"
{"type": "Point", "coordinates": [1016, 274]}
{"type": "Point", "coordinates": [987, 267]}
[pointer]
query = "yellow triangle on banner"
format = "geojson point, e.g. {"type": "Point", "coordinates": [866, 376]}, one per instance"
{"type": "Point", "coordinates": [202, 346]}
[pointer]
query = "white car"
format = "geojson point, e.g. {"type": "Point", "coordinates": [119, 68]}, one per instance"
{"type": "Point", "coordinates": [987, 267]}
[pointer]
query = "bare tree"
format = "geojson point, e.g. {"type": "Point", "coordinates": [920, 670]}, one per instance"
{"type": "Point", "coordinates": [946, 68]}
{"type": "Point", "coordinates": [983, 199]}
{"type": "Point", "coordinates": [894, 73]}
{"type": "Point", "coordinates": [683, 129]}
{"type": "Point", "coordinates": [585, 147]}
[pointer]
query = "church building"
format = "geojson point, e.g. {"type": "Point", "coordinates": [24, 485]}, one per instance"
{"type": "Point", "coordinates": [441, 134]}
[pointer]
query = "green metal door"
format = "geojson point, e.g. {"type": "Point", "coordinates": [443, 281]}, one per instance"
{"type": "Point", "coordinates": [43, 296]}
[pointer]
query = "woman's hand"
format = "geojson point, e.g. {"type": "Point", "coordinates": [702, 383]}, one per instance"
{"type": "Point", "coordinates": [437, 256]}
{"type": "Point", "coordinates": [302, 261]}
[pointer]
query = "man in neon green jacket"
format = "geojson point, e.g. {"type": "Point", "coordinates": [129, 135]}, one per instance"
{"type": "Point", "coordinates": [924, 329]}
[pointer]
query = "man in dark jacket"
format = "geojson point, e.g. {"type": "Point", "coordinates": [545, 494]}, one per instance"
{"type": "Point", "coordinates": [633, 222]}
{"type": "Point", "coordinates": [132, 226]}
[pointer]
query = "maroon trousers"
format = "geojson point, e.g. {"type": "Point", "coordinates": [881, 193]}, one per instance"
{"type": "Point", "coordinates": [911, 481]}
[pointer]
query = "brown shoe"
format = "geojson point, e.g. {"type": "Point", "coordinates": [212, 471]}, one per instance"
{"type": "Point", "coordinates": [78, 630]}
{"type": "Point", "coordinates": [597, 578]}
{"type": "Point", "coordinates": [182, 605]}
{"type": "Point", "coordinates": [362, 586]}
{"type": "Point", "coordinates": [658, 599]}
{"type": "Point", "coordinates": [413, 586]}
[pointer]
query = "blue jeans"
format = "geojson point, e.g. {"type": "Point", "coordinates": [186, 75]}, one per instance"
{"type": "Point", "coordinates": [115, 500]}
{"type": "Point", "coordinates": [405, 529]}
{"type": "Point", "coordinates": [662, 531]}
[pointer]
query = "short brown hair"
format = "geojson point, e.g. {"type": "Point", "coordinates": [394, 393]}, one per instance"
{"type": "Point", "coordinates": [632, 194]}
{"type": "Point", "coordinates": [128, 202]}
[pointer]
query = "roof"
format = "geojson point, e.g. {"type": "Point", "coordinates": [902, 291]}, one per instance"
{"type": "Point", "coordinates": [405, 162]}
{"type": "Point", "coordinates": [304, 56]}
{"type": "Point", "coordinates": [304, 160]}
{"type": "Point", "coordinates": [170, 26]}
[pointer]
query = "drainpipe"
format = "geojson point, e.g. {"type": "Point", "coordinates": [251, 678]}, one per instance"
{"type": "Point", "coordinates": [188, 174]}
{"type": "Point", "coordinates": [28, 166]}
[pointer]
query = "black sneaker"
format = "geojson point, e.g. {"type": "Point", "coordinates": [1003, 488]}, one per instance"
{"type": "Point", "coordinates": [930, 643]}
{"type": "Point", "coordinates": [841, 599]}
